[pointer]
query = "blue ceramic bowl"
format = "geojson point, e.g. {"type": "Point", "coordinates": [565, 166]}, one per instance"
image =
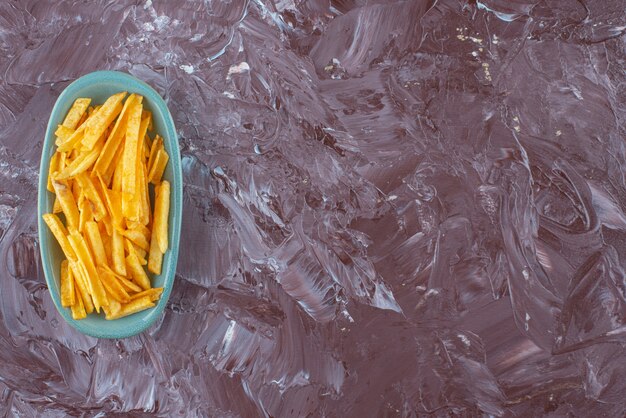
{"type": "Point", "coordinates": [99, 86]}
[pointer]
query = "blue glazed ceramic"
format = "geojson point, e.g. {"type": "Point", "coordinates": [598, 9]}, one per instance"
{"type": "Point", "coordinates": [99, 86]}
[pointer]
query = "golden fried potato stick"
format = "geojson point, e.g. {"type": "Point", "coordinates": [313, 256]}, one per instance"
{"type": "Point", "coordinates": [137, 272]}
{"type": "Point", "coordinates": [146, 213]}
{"type": "Point", "coordinates": [154, 148]}
{"type": "Point", "coordinates": [117, 252]}
{"type": "Point", "coordinates": [76, 192]}
{"type": "Point", "coordinates": [114, 140]}
{"type": "Point", "coordinates": [63, 133]}
{"type": "Point", "coordinates": [60, 233]}
{"type": "Point", "coordinates": [78, 308]}
{"type": "Point", "coordinates": [56, 207]}
{"type": "Point", "coordinates": [85, 213]}
{"type": "Point", "coordinates": [76, 113]}
{"type": "Point", "coordinates": [81, 286]}
{"type": "Point", "coordinates": [107, 176]}
{"type": "Point", "coordinates": [141, 228]}
{"type": "Point", "coordinates": [137, 238]}
{"type": "Point", "coordinates": [91, 192]}
{"type": "Point", "coordinates": [82, 120]}
{"type": "Point", "coordinates": [131, 247]}
{"type": "Point", "coordinates": [161, 215]}
{"type": "Point", "coordinates": [67, 285]}
{"type": "Point", "coordinates": [113, 286]}
{"type": "Point", "coordinates": [62, 160]}
{"type": "Point", "coordinates": [113, 205]}
{"type": "Point", "coordinates": [158, 167]}
{"type": "Point", "coordinates": [72, 141]}
{"type": "Point", "coordinates": [101, 120]}
{"type": "Point", "coordinates": [148, 114]}
{"type": "Point", "coordinates": [141, 188]}
{"type": "Point", "coordinates": [95, 243]}
{"type": "Point", "coordinates": [67, 202]}
{"type": "Point", "coordinates": [82, 163]}
{"type": "Point", "coordinates": [113, 309]}
{"type": "Point", "coordinates": [127, 284]}
{"type": "Point", "coordinates": [155, 256]}
{"type": "Point", "coordinates": [134, 306]}
{"type": "Point", "coordinates": [118, 175]}
{"type": "Point", "coordinates": [96, 290]}
{"type": "Point", "coordinates": [106, 227]}
{"type": "Point", "coordinates": [129, 164]}
{"type": "Point", "coordinates": [154, 294]}
{"type": "Point", "coordinates": [54, 167]}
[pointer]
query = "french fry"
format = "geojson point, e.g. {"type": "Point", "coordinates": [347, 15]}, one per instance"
{"type": "Point", "coordinates": [96, 290]}
{"type": "Point", "coordinates": [118, 175]}
{"type": "Point", "coordinates": [141, 255]}
{"type": "Point", "coordinates": [161, 215]}
{"type": "Point", "coordinates": [67, 202]}
{"type": "Point", "coordinates": [76, 113]}
{"type": "Point", "coordinates": [76, 192]}
{"type": "Point", "coordinates": [72, 141]}
{"type": "Point", "coordinates": [54, 166]}
{"type": "Point", "coordinates": [130, 206]}
{"type": "Point", "coordinates": [141, 195]}
{"type": "Point", "coordinates": [95, 243]}
{"type": "Point", "coordinates": [82, 163]}
{"type": "Point", "coordinates": [144, 197]}
{"type": "Point", "coordinates": [146, 149]}
{"type": "Point", "coordinates": [67, 285]}
{"type": "Point", "coordinates": [154, 294]}
{"type": "Point", "coordinates": [154, 149]}
{"type": "Point", "coordinates": [113, 309]}
{"type": "Point", "coordinates": [63, 133]}
{"type": "Point", "coordinates": [92, 194]}
{"type": "Point", "coordinates": [158, 167]}
{"type": "Point", "coordinates": [137, 272]}
{"type": "Point", "coordinates": [107, 176]}
{"type": "Point", "coordinates": [131, 247]}
{"type": "Point", "coordinates": [112, 286]}
{"type": "Point", "coordinates": [141, 228]}
{"type": "Point", "coordinates": [137, 238]}
{"type": "Point", "coordinates": [114, 140]}
{"type": "Point", "coordinates": [82, 120]}
{"type": "Point", "coordinates": [78, 308]}
{"type": "Point", "coordinates": [129, 176]}
{"type": "Point", "coordinates": [106, 114]}
{"type": "Point", "coordinates": [60, 233]}
{"type": "Point", "coordinates": [148, 114]}
{"type": "Point", "coordinates": [107, 226]}
{"type": "Point", "coordinates": [56, 207]}
{"type": "Point", "coordinates": [143, 127]}
{"type": "Point", "coordinates": [62, 160]}
{"type": "Point", "coordinates": [107, 241]}
{"type": "Point", "coordinates": [117, 250]}
{"type": "Point", "coordinates": [155, 256]}
{"type": "Point", "coordinates": [81, 286]}
{"type": "Point", "coordinates": [114, 206]}
{"type": "Point", "coordinates": [86, 213]}
{"type": "Point", "coordinates": [128, 285]}
{"type": "Point", "coordinates": [134, 306]}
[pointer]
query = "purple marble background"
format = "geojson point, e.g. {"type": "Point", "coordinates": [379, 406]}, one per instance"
{"type": "Point", "coordinates": [409, 208]}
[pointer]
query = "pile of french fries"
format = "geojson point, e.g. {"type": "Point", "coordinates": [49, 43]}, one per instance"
{"type": "Point", "coordinates": [100, 174]}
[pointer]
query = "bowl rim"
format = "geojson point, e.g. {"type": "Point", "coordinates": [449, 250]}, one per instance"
{"type": "Point", "coordinates": [157, 102]}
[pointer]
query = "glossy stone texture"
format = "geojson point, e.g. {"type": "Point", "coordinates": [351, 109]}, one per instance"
{"type": "Point", "coordinates": [408, 208]}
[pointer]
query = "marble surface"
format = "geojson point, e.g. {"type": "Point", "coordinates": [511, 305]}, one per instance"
{"type": "Point", "coordinates": [409, 208]}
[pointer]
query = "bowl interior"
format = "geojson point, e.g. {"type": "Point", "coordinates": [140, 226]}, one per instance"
{"type": "Point", "coordinates": [99, 86]}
